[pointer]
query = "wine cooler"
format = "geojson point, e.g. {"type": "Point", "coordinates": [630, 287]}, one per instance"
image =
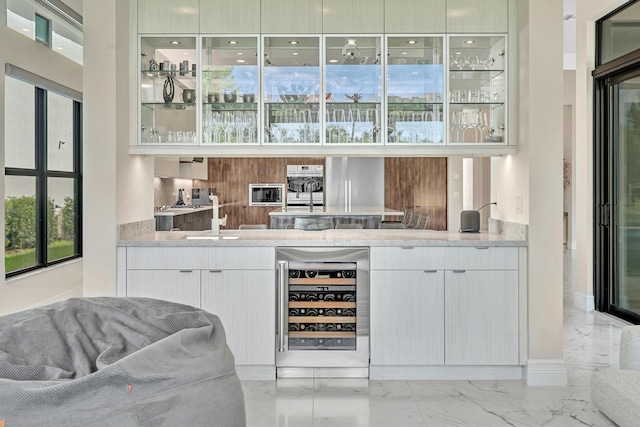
{"type": "Point", "coordinates": [323, 312]}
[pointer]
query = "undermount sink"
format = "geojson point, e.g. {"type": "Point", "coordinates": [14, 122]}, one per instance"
{"type": "Point", "coordinates": [211, 237]}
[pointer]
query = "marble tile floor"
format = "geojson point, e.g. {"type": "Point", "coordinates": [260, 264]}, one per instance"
{"type": "Point", "coordinates": [591, 342]}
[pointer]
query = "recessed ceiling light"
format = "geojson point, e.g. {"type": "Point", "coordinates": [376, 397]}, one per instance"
{"type": "Point", "coordinates": [186, 53]}
{"type": "Point", "coordinates": [240, 53]}
{"type": "Point", "coordinates": [174, 42]}
{"type": "Point", "coordinates": [294, 42]}
{"type": "Point", "coordinates": [404, 53]}
{"type": "Point", "coordinates": [295, 54]}
{"type": "Point", "coordinates": [241, 61]}
{"type": "Point", "coordinates": [233, 42]}
{"type": "Point", "coordinates": [59, 48]}
{"type": "Point", "coordinates": [458, 53]}
{"type": "Point", "coordinates": [26, 29]}
{"type": "Point", "coordinates": [351, 41]}
{"type": "Point", "coordinates": [469, 41]}
{"type": "Point", "coordinates": [412, 42]}
{"type": "Point", "coordinates": [333, 61]}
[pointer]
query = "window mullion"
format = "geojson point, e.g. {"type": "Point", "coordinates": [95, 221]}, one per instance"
{"type": "Point", "coordinates": [41, 179]}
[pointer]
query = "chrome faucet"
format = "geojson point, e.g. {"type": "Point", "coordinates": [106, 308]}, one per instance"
{"type": "Point", "coordinates": [310, 198]}
{"type": "Point", "coordinates": [216, 221]}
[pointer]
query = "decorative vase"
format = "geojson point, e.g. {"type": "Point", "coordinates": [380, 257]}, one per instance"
{"type": "Point", "coordinates": [168, 91]}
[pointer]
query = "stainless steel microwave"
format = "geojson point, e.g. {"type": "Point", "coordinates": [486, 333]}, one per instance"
{"type": "Point", "coordinates": [266, 194]}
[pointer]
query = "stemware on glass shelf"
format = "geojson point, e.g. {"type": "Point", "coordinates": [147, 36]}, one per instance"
{"type": "Point", "coordinates": [165, 116]}
{"type": "Point", "coordinates": [353, 86]}
{"type": "Point", "coordinates": [291, 90]}
{"type": "Point", "coordinates": [230, 79]}
{"type": "Point", "coordinates": [477, 83]}
{"type": "Point", "coordinates": [415, 87]}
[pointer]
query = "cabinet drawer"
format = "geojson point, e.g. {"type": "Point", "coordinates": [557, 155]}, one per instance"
{"type": "Point", "coordinates": [166, 258]}
{"type": "Point", "coordinates": [445, 258]}
{"type": "Point", "coordinates": [199, 258]}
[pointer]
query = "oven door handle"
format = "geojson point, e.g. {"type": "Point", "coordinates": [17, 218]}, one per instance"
{"type": "Point", "coordinates": [282, 304]}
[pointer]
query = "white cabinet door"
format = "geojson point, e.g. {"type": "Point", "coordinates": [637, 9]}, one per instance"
{"type": "Point", "coordinates": [291, 17]}
{"type": "Point", "coordinates": [477, 16]}
{"type": "Point", "coordinates": [353, 16]}
{"type": "Point", "coordinates": [407, 317]}
{"type": "Point", "coordinates": [481, 317]}
{"type": "Point", "coordinates": [181, 286]}
{"type": "Point", "coordinates": [230, 17]}
{"type": "Point", "coordinates": [245, 302]}
{"type": "Point", "coordinates": [415, 16]}
{"type": "Point", "coordinates": [167, 16]}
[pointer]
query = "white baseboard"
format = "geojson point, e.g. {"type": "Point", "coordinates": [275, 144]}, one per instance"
{"type": "Point", "coordinates": [445, 372]}
{"type": "Point", "coordinates": [72, 293]}
{"type": "Point", "coordinates": [256, 373]}
{"type": "Point", "coordinates": [546, 372]}
{"type": "Point", "coordinates": [584, 302]}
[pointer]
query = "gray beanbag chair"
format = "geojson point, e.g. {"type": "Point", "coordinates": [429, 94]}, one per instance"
{"type": "Point", "coordinates": [117, 362]}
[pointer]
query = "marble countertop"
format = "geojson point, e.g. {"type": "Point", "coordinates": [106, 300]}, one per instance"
{"type": "Point", "coordinates": [335, 211]}
{"type": "Point", "coordinates": [333, 237]}
{"type": "Point", "coordinates": [182, 211]}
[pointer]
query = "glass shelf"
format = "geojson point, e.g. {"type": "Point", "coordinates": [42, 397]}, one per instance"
{"type": "Point", "coordinates": [164, 122]}
{"type": "Point", "coordinates": [164, 74]}
{"type": "Point", "coordinates": [291, 90]}
{"type": "Point", "coordinates": [477, 89]}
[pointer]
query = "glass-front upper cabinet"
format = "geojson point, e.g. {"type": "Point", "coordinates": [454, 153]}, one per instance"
{"type": "Point", "coordinates": [292, 90]}
{"type": "Point", "coordinates": [477, 89]}
{"type": "Point", "coordinates": [353, 90]}
{"type": "Point", "coordinates": [415, 90]}
{"type": "Point", "coordinates": [230, 79]}
{"type": "Point", "coordinates": [168, 90]}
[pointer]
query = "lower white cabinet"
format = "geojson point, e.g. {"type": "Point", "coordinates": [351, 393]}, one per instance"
{"type": "Point", "coordinates": [181, 286]}
{"type": "Point", "coordinates": [245, 302]}
{"type": "Point", "coordinates": [407, 317]}
{"type": "Point", "coordinates": [235, 283]}
{"type": "Point", "coordinates": [481, 317]}
{"type": "Point", "coordinates": [428, 310]}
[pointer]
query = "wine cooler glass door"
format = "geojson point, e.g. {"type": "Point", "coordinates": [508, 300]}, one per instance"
{"type": "Point", "coordinates": [323, 308]}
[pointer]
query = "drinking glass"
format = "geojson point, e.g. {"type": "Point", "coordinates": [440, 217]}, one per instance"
{"type": "Point", "coordinates": [459, 60]}
{"type": "Point", "coordinates": [473, 61]}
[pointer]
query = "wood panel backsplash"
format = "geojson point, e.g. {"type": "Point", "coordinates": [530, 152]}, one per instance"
{"type": "Point", "coordinates": [230, 178]}
{"type": "Point", "coordinates": [416, 183]}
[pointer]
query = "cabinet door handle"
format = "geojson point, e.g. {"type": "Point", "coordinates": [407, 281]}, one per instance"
{"type": "Point", "coordinates": [282, 302]}
{"type": "Point", "coordinates": [215, 271]}
{"type": "Point", "coordinates": [186, 271]}
{"type": "Point", "coordinates": [459, 271]}
{"type": "Point", "coordinates": [406, 247]}
{"type": "Point", "coordinates": [482, 247]}
{"type": "Point", "coordinates": [431, 271]}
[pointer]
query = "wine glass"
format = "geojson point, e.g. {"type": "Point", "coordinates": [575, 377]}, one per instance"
{"type": "Point", "coordinates": [473, 61]}
{"type": "Point", "coordinates": [459, 60]}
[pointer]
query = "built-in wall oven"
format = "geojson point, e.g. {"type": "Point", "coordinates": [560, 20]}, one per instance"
{"type": "Point", "coordinates": [305, 182]}
{"type": "Point", "coordinates": [323, 312]}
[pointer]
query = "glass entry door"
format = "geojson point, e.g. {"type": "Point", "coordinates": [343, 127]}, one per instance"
{"type": "Point", "coordinates": [617, 193]}
{"type": "Point", "coordinates": [625, 100]}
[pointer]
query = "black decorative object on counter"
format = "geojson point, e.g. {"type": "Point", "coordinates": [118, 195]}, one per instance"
{"type": "Point", "coordinates": [168, 91]}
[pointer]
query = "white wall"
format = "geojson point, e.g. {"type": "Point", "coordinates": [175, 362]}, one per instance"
{"type": "Point", "coordinates": [587, 12]}
{"type": "Point", "coordinates": [118, 187]}
{"type": "Point", "coordinates": [65, 280]}
{"type": "Point", "coordinates": [570, 151]}
{"type": "Point", "coordinates": [535, 175]}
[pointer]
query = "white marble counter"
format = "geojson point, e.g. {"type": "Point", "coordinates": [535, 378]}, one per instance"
{"type": "Point", "coordinates": [336, 211]}
{"type": "Point", "coordinates": [182, 211]}
{"type": "Point", "coordinates": [332, 237]}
